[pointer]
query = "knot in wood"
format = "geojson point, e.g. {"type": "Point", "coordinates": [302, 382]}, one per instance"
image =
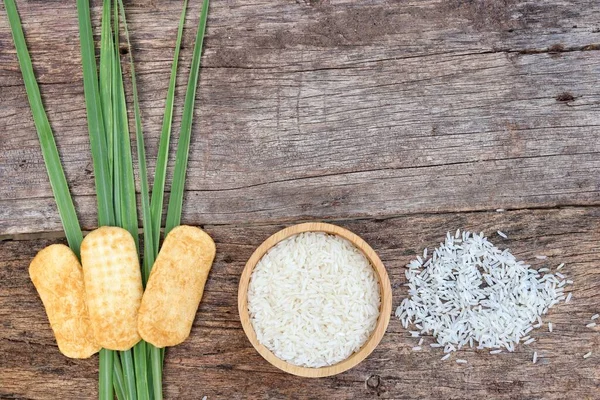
{"type": "Point", "coordinates": [373, 381]}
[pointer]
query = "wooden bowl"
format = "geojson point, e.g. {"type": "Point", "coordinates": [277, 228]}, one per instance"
{"type": "Point", "coordinates": [384, 310]}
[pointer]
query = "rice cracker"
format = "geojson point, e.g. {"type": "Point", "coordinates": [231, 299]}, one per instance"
{"type": "Point", "coordinates": [56, 274]}
{"type": "Point", "coordinates": [175, 286]}
{"type": "Point", "coordinates": [113, 286]}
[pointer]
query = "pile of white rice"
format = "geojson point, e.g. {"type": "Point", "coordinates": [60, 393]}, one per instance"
{"type": "Point", "coordinates": [472, 293]}
{"type": "Point", "coordinates": [313, 299]}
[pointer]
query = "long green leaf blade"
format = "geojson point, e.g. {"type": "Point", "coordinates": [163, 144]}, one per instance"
{"type": "Point", "coordinates": [58, 182]}
{"type": "Point", "coordinates": [97, 133]}
{"type": "Point", "coordinates": [123, 375]}
{"type": "Point", "coordinates": [156, 365]}
{"type": "Point", "coordinates": [105, 385]}
{"type": "Point", "coordinates": [176, 198]}
{"type": "Point", "coordinates": [119, 120]}
{"type": "Point", "coordinates": [128, 374]}
{"type": "Point", "coordinates": [98, 144]}
{"type": "Point", "coordinates": [118, 379]}
{"type": "Point", "coordinates": [158, 188]}
{"type": "Point", "coordinates": [112, 99]}
{"type": "Point", "coordinates": [126, 207]}
{"type": "Point", "coordinates": [141, 151]}
{"type": "Point", "coordinates": [140, 351]}
{"type": "Point", "coordinates": [106, 70]}
{"type": "Point", "coordinates": [126, 181]}
{"type": "Point", "coordinates": [118, 132]}
{"type": "Point", "coordinates": [141, 370]}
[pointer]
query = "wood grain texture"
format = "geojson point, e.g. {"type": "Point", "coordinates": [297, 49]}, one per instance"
{"type": "Point", "coordinates": [397, 120]}
{"type": "Point", "coordinates": [333, 109]}
{"type": "Point", "coordinates": [219, 361]}
{"type": "Point", "coordinates": [385, 308]}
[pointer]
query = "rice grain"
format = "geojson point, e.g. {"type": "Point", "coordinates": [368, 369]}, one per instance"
{"type": "Point", "coordinates": [470, 293]}
{"type": "Point", "coordinates": [568, 299]}
{"type": "Point", "coordinates": [313, 299]}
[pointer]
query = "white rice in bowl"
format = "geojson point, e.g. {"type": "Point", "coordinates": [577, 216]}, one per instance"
{"type": "Point", "coordinates": [313, 299]}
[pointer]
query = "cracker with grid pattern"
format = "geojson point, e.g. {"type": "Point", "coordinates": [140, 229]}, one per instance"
{"type": "Point", "coordinates": [113, 286]}
{"type": "Point", "coordinates": [57, 276]}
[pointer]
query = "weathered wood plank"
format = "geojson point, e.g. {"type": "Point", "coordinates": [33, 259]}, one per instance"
{"type": "Point", "coordinates": [333, 109]}
{"type": "Point", "coordinates": [218, 360]}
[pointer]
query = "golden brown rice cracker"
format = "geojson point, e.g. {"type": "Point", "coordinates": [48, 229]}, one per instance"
{"type": "Point", "coordinates": [113, 286]}
{"type": "Point", "coordinates": [175, 286]}
{"type": "Point", "coordinates": [56, 274]}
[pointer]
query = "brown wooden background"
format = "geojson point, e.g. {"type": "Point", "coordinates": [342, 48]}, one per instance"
{"type": "Point", "coordinates": [399, 120]}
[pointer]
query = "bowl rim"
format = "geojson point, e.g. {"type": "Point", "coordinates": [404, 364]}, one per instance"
{"type": "Point", "coordinates": [384, 309]}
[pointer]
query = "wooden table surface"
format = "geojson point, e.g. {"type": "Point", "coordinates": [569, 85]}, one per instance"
{"type": "Point", "coordinates": [399, 120]}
